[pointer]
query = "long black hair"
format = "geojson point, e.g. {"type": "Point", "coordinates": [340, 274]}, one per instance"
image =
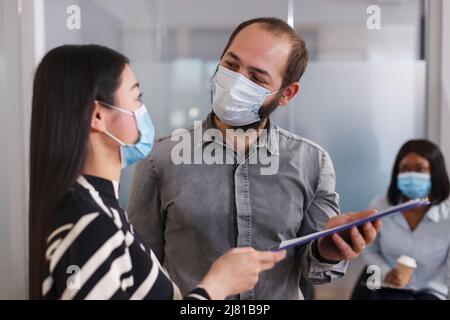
{"type": "Point", "coordinates": [440, 185]}
{"type": "Point", "coordinates": [67, 83]}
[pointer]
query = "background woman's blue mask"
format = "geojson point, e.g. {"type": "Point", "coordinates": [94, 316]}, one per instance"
{"type": "Point", "coordinates": [414, 185]}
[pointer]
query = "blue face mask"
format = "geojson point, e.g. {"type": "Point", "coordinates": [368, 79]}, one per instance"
{"type": "Point", "coordinates": [132, 153]}
{"type": "Point", "coordinates": [414, 185]}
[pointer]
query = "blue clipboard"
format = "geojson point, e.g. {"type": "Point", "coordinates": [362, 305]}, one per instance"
{"type": "Point", "coordinates": [287, 244]}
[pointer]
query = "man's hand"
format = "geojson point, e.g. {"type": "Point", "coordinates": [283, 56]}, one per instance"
{"type": "Point", "coordinates": [350, 244]}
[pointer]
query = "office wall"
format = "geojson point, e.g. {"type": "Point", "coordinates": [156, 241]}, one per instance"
{"type": "Point", "coordinates": [361, 112]}
{"type": "Point", "coordinates": [13, 261]}
{"type": "Point", "coordinates": [98, 26]}
{"type": "Point", "coordinates": [438, 49]}
{"type": "Point", "coordinates": [445, 97]}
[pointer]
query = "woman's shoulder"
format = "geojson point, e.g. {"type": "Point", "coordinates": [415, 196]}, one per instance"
{"type": "Point", "coordinates": [442, 210]}
{"type": "Point", "coordinates": [445, 205]}
{"type": "Point", "coordinates": [74, 209]}
{"type": "Point", "coordinates": [74, 205]}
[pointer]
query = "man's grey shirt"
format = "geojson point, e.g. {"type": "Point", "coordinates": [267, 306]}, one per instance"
{"type": "Point", "coordinates": [191, 214]}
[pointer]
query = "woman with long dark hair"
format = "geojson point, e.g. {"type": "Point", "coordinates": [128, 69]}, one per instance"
{"type": "Point", "coordinates": [88, 122]}
{"type": "Point", "coordinates": [421, 235]}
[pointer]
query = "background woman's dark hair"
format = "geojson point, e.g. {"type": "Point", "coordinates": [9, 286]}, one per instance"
{"type": "Point", "coordinates": [67, 82]}
{"type": "Point", "coordinates": [440, 188]}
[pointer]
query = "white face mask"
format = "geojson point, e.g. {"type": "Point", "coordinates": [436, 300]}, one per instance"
{"type": "Point", "coordinates": [236, 99]}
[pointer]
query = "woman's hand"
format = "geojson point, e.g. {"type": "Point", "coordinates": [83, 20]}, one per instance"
{"type": "Point", "coordinates": [238, 271]}
{"type": "Point", "coordinates": [394, 278]}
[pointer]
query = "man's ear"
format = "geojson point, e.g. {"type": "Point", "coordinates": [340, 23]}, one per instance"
{"type": "Point", "coordinates": [98, 118]}
{"type": "Point", "coordinates": [289, 93]}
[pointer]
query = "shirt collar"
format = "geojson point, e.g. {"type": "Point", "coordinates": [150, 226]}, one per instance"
{"type": "Point", "coordinates": [104, 186]}
{"type": "Point", "coordinates": [268, 139]}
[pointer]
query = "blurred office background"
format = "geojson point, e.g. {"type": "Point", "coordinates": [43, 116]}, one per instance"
{"type": "Point", "coordinates": [364, 94]}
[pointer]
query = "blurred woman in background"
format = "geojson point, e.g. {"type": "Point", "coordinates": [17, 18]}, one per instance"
{"type": "Point", "coordinates": [422, 234]}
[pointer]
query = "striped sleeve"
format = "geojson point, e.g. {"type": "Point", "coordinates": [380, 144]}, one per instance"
{"type": "Point", "coordinates": [90, 261]}
{"type": "Point", "coordinates": [93, 259]}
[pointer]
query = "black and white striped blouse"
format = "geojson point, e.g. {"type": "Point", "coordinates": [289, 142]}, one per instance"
{"type": "Point", "coordinates": [94, 253]}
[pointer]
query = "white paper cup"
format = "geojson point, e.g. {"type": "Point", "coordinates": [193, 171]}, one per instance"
{"type": "Point", "coordinates": [406, 267]}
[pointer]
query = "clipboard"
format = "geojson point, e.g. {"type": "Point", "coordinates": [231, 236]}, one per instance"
{"type": "Point", "coordinates": [287, 244]}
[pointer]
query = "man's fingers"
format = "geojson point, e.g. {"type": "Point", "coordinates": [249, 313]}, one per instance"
{"type": "Point", "coordinates": [359, 243]}
{"type": "Point", "coordinates": [343, 247]}
{"type": "Point", "coordinates": [377, 225]}
{"type": "Point", "coordinates": [370, 233]}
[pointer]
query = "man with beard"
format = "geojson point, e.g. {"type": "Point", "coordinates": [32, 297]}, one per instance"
{"type": "Point", "coordinates": [190, 213]}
